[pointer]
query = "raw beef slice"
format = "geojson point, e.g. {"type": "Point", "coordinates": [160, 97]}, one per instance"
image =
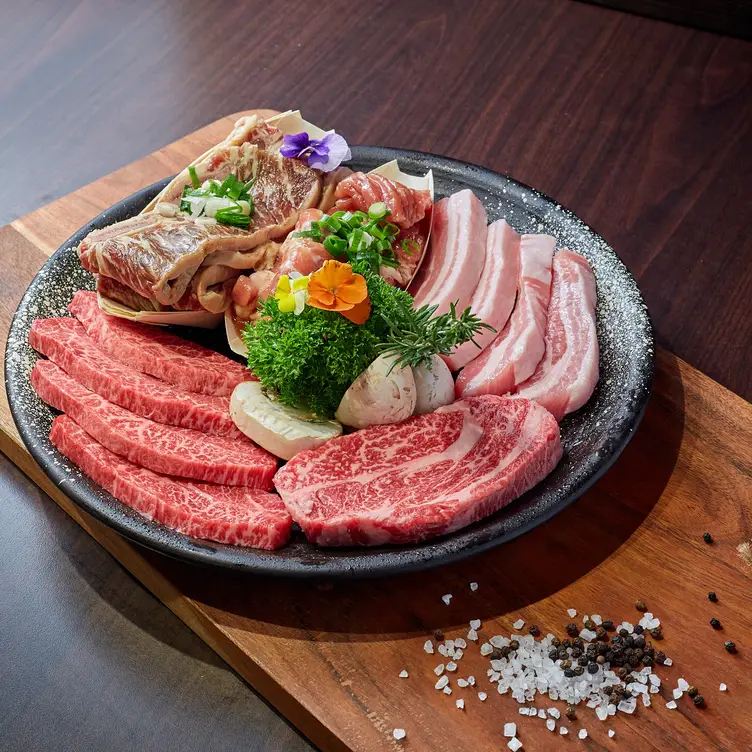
{"type": "Point", "coordinates": [226, 514]}
{"type": "Point", "coordinates": [428, 476]}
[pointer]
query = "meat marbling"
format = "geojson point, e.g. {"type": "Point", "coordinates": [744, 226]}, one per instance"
{"type": "Point", "coordinates": [493, 299]}
{"type": "Point", "coordinates": [154, 351]}
{"type": "Point", "coordinates": [163, 449]}
{"type": "Point", "coordinates": [65, 342]}
{"type": "Point", "coordinates": [428, 476]}
{"type": "Point", "coordinates": [227, 514]}
{"type": "Point", "coordinates": [456, 253]}
{"type": "Point", "coordinates": [515, 353]}
{"type": "Point", "coordinates": [568, 373]}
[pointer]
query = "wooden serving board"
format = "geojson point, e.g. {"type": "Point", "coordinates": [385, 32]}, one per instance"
{"type": "Point", "coordinates": [328, 657]}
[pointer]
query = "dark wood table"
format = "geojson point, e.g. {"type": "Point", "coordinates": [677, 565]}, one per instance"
{"type": "Point", "coordinates": [642, 128]}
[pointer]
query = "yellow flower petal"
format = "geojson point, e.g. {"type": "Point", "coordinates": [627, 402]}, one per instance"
{"type": "Point", "coordinates": [301, 283]}
{"type": "Point", "coordinates": [286, 303]}
{"type": "Point", "coordinates": [283, 287]}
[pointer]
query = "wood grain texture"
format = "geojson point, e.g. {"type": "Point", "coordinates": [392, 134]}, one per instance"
{"type": "Point", "coordinates": [328, 657]}
{"type": "Point", "coordinates": [642, 128]}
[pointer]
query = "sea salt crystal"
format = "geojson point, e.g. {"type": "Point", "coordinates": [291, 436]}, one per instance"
{"type": "Point", "coordinates": [471, 681]}
{"type": "Point", "coordinates": [458, 654]}
{"type": "Point", "coordinates": [514, 744]}
{"type": "Point", "coordinates": [554, 713]}
{"type": "Point", "coordinates": [671, 705]}
{"type": "Point", "coordinates": [460, 643]}
{"type": "Point", "coordinates": [550, 724]}
{"type": "Point", "coordinates": [668, 662]}
{"type": "Point", "coordinates": [472, 635]}
{"type": "Point", "coordinates": [403, 674]}
{"type": "Point", "coordinates": [399, 734]}
{"type": "Point", "coordinates": [443, 650]}
{"type": "Point", "coordinates": [612, 709]}
{"type": "Point", "coordinates": [428, 647]}
{"type": "Point", "coordinates": [563, 730]}
{"type": "Point", "coordinates": [473, 586]}
{"type": "Point", "coordinates": [482, 696]}
{"type": "Point", "coordinates": [475, 624]}
{"type": "Point", "coordinates": [486, 649]}
{"type": "Point", "coordinates": [462, 683]}
{"type": "Point", "coordinates": [654, 690]}
{"type": "Point", "coordinates": [519, 624]}
{"type": "Point", "coordinates": [588, 635]}
{"type": "Point", "coordinates": [602, 713]}
{"type": "Point", "coordinates": [499, 642]}
{"type": "Point", "coordinates": [583, 734]}
{"type": "Point", "coordinates": [677, 693]}
{"type": "Point", "coordinates": [510, 729]}
{"type": "Point", "coordinates": [646, 701]}
{"type": "Point", "coordinates": [611, 733]}
{"type": "Point", "coordinates": [439, 670]}
{"type": "Point", "coordinates": [460, 704]}
{"type": "Point", "coordinates": [596, 619]}
{"type": "Point", "coordinates": [451, 666]}
{"type": "Point", "coordinates": [682, 684]}
{"type": "Point", "coordinates": [655, 680]}
{"type": "Point", "coordinates": [442, 682]}
{"type": "Point", "coordinates": [723, 687]}
{"type": "Point", "coordinates": [446, 598]}
{"type": "Point", "coordinates": [627, 706]}
{"type": "Point", "coordinates": [626, 625]}
{"type": "Point", "coordinates": [572, 613]}
{"type": "Point", "coordinates": [447, 690]}
{"type": "Point", "coordinates": [526, 711]}
{"type": "Point", "coordinates": [541, 713]}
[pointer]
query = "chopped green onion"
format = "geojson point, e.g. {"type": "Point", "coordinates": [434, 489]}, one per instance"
{"type": "Point", "coordinates": [232, 217]}
{"type": "Point", "coordinates": [335, 245]}
{"type": "Point", "coordinates": [194, 177]}
{"type": "Point", "coordinates": [378, 210]}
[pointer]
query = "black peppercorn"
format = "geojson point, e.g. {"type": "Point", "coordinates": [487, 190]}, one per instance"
{"type": "Point", "coordinates": [438, 635]}
{"type": "Point", "coordinates": [589, 624]}
{"type": "Point", "coordinates": [600, 660]}
{"type": "Point", "coordinates": [562, 653]}
{"type": "Point", "coordinates": [730, 646]}
{"type": "Point", "coordinates": [579, 670]}
{"type": "Point", "coordinates": [629, 640]}
{"type": "Point", "coordinates": [647, 660]}
{"type": "Point", "coordinates": [639, 641]}
{"type": "Point", "coordinates": [553, 654]}
{"type": "Point", "coordinates": [639, 629]}
{"type": "Point", "coordinates": [514, 645]}
{"type": "Point", "coordinates": [712, 597]}
{"type": "Point", "coordinates": [566, 664]}
{"type": "Point", "coordinates": [583, 661]}
{"type": "Point", "coordinates": [623, 632]}
{"type": "Point", "coordinates": [634, 661]}
{"type": "Point", "coordinates": [505, 650]}
{"type": "Point", "coordinates": [495, 654]}
{"type": "Point", "coordinates": [572, 629]}
{"type": "Point", "coordinates": [656, 633]}
{"type": "Point", "coordinates": [608, 625]}
{"type": "Point", "coordinates": [577, 643]}
{"type": "Point", "coordinates": [692, 692]}
{"type": "Point", "coordinates": [566, 643]}
{"type": "Point", "coordinates": [660, 657]}
{"type": "Point", "coordinates": [621, 672]}
{"type": "Point", "coordinates": [570, 712]}
{"type": "Point", "coordinates": [600, 634]}
{"type": "Point", "coordinates": [534, 631]}
{"type": "Point", "coordinates": [715, 624]}
{"type": "Point", "coordinates": [592, 668]}
{"type": "Point", "coordinates": [576, 652]}
{"type": "Point", "coordinates": [649, 650]}
{"type": "Point", "coordinates": [601, 649]}
{"type": "Point", "coordinates": [568, 673]}
{"type": "Point", "coordinates": [556, 642]}
{"type": "Point", "coordinates": [707, 537]}
{"type": "Point", "coordinates": [619, 690]}
{"type": "Point", "coordinates": [698, 700]}
{"type": "Point", "coordinates": [609, 655]}
{"type": "Point", "coordinates": [640, 606]}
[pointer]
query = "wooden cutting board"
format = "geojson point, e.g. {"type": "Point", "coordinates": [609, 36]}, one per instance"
{"type": "Point", "coordinates": [328, 656]}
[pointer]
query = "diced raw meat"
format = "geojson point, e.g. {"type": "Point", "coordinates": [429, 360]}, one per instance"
{"type": "Point", "coordinates": [227, 514]}
{"type": "Point", "coordinates": [568, 373]}
{"type": "Point", "coordinates": [65, 342]}
{"type": "Point", "coordinates": [359, 191]}
{"type": "Point", "coordinates": [455, 255]}
{"type": "Point", "coordinates": [515, 353]}
{"type": "Point", "coordinates": [154, 351]}
{"type": "Point", "coordinates": [163, 449]}
{"type": "Point", "coordinates": [493, 299]}
{"type": "Point", "coordinates": [430, 475]}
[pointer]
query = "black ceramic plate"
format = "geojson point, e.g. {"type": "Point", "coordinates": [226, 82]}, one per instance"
{"type": "Point", "coordinates": [592, 438]}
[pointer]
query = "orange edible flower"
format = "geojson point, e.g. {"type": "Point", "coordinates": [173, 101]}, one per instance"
{"type": "Point", "coordinates": [335, 287]}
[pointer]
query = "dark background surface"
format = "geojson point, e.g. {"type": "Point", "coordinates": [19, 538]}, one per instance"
{"type": "Point", "coordinates": [642, 128]}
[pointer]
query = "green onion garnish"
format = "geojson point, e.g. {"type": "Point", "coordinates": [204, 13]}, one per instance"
{"type": "Point", "coordinates": [378, 210]}
{"type": "Point", "coordinates": [194, 177]}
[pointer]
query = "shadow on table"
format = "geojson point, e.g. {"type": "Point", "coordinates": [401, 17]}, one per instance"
{"type": "Point", "coordinates": [535, 566]}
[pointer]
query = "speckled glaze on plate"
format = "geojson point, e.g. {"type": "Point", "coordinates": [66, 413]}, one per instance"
{"type": "Point", "coordinates": [593, 437]}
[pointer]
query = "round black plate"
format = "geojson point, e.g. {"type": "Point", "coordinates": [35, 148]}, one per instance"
{"type": "Point", "coordinates": [592, 438]}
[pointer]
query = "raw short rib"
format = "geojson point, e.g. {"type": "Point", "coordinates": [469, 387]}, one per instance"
{"type": "Point", "coordinates": [226, 514]}
{"type": "Point", "coordinates": [163, 449]}
{"type": "Point", "coordinates": [152, 350]}
{"type": "Point", "coordinates": [568, 373]}
{"type": "Point", "coordinates": [428, 476]}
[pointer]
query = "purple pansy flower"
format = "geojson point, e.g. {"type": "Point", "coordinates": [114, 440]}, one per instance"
{"type": "Point", "coordinates": [325, 154]}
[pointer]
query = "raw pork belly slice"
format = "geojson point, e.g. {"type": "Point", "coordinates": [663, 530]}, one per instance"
{"type": "Point", "coordinates": [226, 514]}
{"type": "Point", "coordinates": [163, 449]}
{"type": "Point", "coordinates": [493, 299]}
{"type": "Point", "coordinates": [65, 342]}
{"type": "Point", "coordinates": [567, 375]}
{"type": "Point", "coordinates": [515, 353]}
{"type": "Point", "coordinates": [158, 353]}
{"type": "Point", "coordinates": [427, 476]}
{"type": "Point", "coordinates": [455, 255]}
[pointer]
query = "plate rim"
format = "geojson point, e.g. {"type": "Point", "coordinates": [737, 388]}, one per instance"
{"type": "Point", "coordinates": [384, 562]}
